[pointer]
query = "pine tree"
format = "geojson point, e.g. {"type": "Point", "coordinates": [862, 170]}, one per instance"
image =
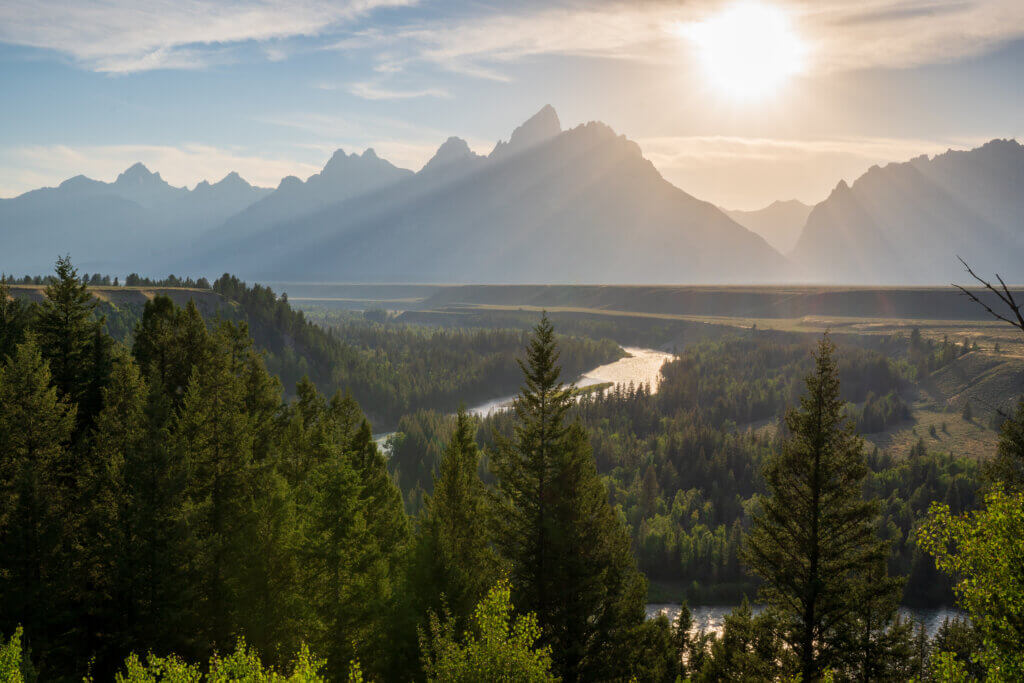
{"type": "Point", "coordinates": [36, 424]}
{"type": "Point", "coordinates": [353, 529]}
{"type": "Point", "coordinates": [214, 438]}
{"type": "Point", "coordinates": [812, 542]}
{"type": "Point", "coordinates": [570, 555]}
{"type": "Point", "coordinates": [1008, 465]}
{"type": "Point", "coordinates": [161, 601]}
{"type": "Point", "coordinates": [454, 558]}
{"type": "Point", "coordinates": [649, 493]}
{"type": "Point", "coordinates": [66, 330]}
{"type": "Point", "coordinates": [105, 503]}
{"type": "Point", "coordinates": [15, 318]}
{"type": "Point", "coordinates": [170, 342]}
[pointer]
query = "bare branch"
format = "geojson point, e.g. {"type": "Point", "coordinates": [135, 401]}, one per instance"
{"type": "Point", "coordinates": [1005, 296]}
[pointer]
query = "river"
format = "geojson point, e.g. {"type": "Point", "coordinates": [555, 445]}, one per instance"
{"type": "Point", "coordinates": [709, 618]}
{"type": "Point", "coordinates": [641, 366]}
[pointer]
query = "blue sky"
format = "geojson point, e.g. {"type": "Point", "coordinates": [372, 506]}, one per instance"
{"type": "Point", "coordinates": [195, 89]}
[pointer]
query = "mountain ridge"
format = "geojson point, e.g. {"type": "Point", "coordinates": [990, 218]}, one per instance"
{"type": "Point", "coordinates": [602, 212]}
{"type": "Point", "coordinates": [908, 222]}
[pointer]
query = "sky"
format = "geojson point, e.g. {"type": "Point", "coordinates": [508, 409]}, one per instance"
{"type": "Point", "coordinates": [738, 102]}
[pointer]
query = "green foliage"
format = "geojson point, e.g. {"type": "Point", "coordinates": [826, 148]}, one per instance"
{"type": "Point", "coordinates": [197, 506]}
{"type": "Point", "coordinates": [496, 647]}
{"type": "Point", "coordinates": [392, 369]}
{"type": "Point", "coordinates": [812, 542]}
{"type": "Point", "coordinates": [959, 638]}
{"type": "Point", "coordinates": [984, 551]}
{"type": "Point", "coordinates": [569, 553]}
{"type": "Point", "coordinates": [243, 664]}
{"type": "Point", "coordinates": [946, 668]}
{"type": "Point", "coordinates": [16, 316]}
{"type": "Point", "coordinates": [749, 648]}
{"type": "Point", "coordinates": [70, 339]}
{"type": "Point", "coordinates": [12, 668]}
{"type": "Point", "coordinates": [454, 560]}
{"type": "Point", "coordinates": [1008, 465]}
{"type": "Point", "coordinates": [36, 498]}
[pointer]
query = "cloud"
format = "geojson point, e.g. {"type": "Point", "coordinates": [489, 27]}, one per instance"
{"type": "Point", "coordinates": [123, 36]}
{"type": "Point", "coordinates": [136, 35]}
{"type": "Point", "coordinates": [373, 91]}
{"type": "Point", "coordinates": [28, 167]}
{"type": "Point", "coordinates": [842, 34]}
{"type": "Point", "coordinates": [748, 173]}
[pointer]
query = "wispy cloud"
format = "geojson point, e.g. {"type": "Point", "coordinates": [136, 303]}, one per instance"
{"type": "Point", "coordinates": [137, 35]}
{"type": "Point", "coordinates": [28, 167]}
{"type": "Point", "coordinates": [375, 91]}
{"type": "Point", "coordinates": [843, 34]}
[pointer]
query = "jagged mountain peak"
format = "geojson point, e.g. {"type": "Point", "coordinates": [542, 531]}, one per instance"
{"type": "Point", "coordinates": [137, 174]}
{"type": "Point", "coordinates": [289, 182]}
{"type": "Point", "coordinates": [454, 150]}
{"type": "Point", "coordinates": [539, 128]}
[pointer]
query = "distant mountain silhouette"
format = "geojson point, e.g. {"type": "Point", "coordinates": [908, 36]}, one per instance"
{"type": "Point", "coordinates": [581, 205]}
{"type": "Point", "coordinates": [780, 223]}
{"type": "Point", "coordinates": [539, 128]}
{"type": "Point", "coordinates": [546, 206]}
{"type": "Point", "coordinates": [127, 224]}
{"type": "Point", "coordinates": [344, 176]}
{"type": "Point", "coordinates": [907, 222]}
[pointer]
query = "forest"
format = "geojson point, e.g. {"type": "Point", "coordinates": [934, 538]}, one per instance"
{"type": "Point", "coordinates": [187, 502]}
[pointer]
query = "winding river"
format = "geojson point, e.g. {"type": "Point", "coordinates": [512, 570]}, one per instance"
{"type": "Point", "coordinates": [641, 366]}
{"type": "Point", "coordinates": [710, 619]}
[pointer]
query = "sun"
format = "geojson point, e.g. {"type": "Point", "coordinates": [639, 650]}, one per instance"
{"type": "Point", "coordinates": [748, 50]}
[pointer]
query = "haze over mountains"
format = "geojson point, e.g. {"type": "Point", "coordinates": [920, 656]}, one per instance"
{"type": "Point", "coordinates": [908, 222]}
{"type": "Point", "coordinates": [127, 224]}
{"type": "Point", "coordinates": [548, 205]}
{"type": "Point", "coordinates": [780, 223]}
{"type": "Point", "coordinates": [581, 205]}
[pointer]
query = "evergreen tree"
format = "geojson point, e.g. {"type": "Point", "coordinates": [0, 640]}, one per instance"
{"type": "Point", "coordinates": [161, 602]}
{"type": "Point", "coordinates": [570, 555]}
{"type": "Point", "coordinates": [106, 503]}
{"type": "Point", "coordinates": [214, 439]}
{"type": "Point", "coordinates": [881, 644]}
{"type": "Point", "coordinates": [36, 424]}
{"type": "Point", "coordinates": [1008, 465]}
{"type": "Point", "coordinates": [170, 342]}
{"type": "Point", "coordinates": [455, 561]}
{"type": "Point", "coordinates": [749, 649]}
{"type": "Point", "coordinates": [67, 330]}
{"type": "Point", "coordinates": [15, 318]}
{"type": "Point", "coordinates": [812, 541]}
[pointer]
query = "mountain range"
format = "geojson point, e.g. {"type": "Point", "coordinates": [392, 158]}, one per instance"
{"type": "Point", "coordinates": [129, 224]}
{"type": "Point", "coordinates": [908, 222]}
{"type": "Point", "coordinates": [581, 205]}
{"type": "Point", "coordinates": [780, 223]}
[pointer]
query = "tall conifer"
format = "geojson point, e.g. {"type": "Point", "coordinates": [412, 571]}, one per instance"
{"type": "Point", "coordinates": [813, 541]}
{"type": "Point", "coordinates": [570, 555]}
{"type": "Point", "coordinates": [36, 424]}
{"type": "Point", "coordinates": [454, 556]}
{"type": "Point", "coordinates": [66, 329]}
